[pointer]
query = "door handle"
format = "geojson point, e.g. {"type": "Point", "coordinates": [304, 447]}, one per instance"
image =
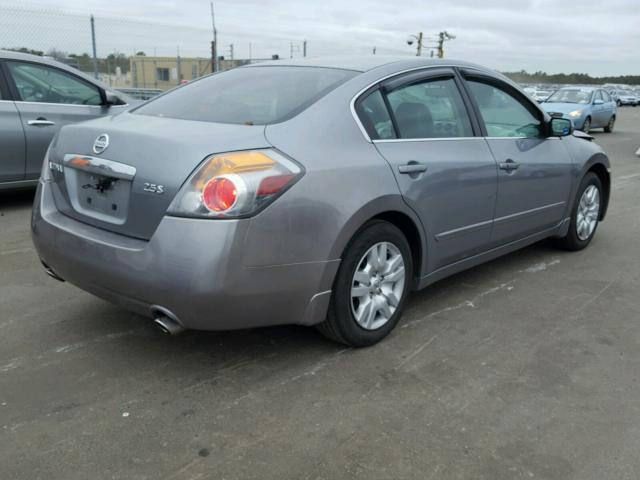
{"type": "Point", "coordinates": [412, 168]}
{"type": "Point", "coordinates": [509, 165]}
{"type": "Point", "coordinates": [40, 122]}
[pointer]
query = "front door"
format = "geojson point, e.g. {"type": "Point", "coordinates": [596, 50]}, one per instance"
{"type": "Point", "coordinates": [47, 99]}
{"type": "Point", "coordinates": [534, 171]}
{"type": "Point", "coordinates": [446, 174]}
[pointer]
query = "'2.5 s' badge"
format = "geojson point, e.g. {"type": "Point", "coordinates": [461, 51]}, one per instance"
{"type": "Point", "coordinates": [154, 188]}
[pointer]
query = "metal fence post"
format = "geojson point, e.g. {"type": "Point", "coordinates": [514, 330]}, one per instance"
{"type": "Point", "coordinates": [93, 42]}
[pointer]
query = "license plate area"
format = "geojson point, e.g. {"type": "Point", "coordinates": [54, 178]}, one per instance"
{"type": "Point", "coordinates": [99, 189]}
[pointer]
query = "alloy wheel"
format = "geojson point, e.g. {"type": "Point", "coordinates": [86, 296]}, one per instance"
{"type": "Point", "coordinates": [377, 286]}
{"type": "Point", "coordinates": [588, 212]}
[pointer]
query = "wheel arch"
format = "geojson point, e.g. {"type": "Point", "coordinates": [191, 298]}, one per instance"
{"type": "Point", "coordinates": [602, 171]}
{"type": "Point", "coordinates": [394, 210]}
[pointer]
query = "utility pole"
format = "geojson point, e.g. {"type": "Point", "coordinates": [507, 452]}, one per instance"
{"type": "Point", "coordinates": [93, 42]}
{"type": "Point", "coordinates": [443, 37]}
{"type": "Point", "coordinates": [178, 66]}
{"type": "Point", "coordinates": [215, 66]}
{"type": "Point", "coordinates": [304, 48]}
{"type": "Point", "coordinates": [419, 45]}
{"type": "Point", "coordinates": [231, 51]}
{"type": "Point", "coordinates": [374, 50]}
{"type": "Point", "coordinates": [418, 39]}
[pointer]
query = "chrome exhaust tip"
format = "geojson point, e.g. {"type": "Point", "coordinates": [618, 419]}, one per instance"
{"type": "Point", "coordinates": [49, 271]}
{"type": "Point", "coordinates": [166, 321]}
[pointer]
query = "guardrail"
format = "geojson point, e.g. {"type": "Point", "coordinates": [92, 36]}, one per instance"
{"type": "Point", "coordinates": [141, 93]}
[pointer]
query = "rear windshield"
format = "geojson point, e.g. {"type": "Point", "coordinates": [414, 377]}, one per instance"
{"type": "Point", "coordinates": [250, 96]}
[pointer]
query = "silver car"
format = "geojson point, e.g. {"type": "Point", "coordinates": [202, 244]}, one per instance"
{"type": "Point", "coordinates": [316, 192]}
{"type": "Point", "coordinates": [37, 97]}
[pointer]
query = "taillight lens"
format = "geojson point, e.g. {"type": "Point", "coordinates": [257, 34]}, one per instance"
{"type": "Point", "coordinates": [235, 184]}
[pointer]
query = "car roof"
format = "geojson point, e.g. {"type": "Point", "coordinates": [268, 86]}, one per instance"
{"type": "Point", "coordinates": [363, 63]}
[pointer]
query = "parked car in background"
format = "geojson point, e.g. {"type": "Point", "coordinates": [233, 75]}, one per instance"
{"type": "Point", "coordinates": [315, 192]}
{"type": "Point", "coordinates": [542, 95]}
{"type": "Point", "coordinates": [38, 96]}
{"type": "Point", "coordinates": [626, 97]}
{"type": "Point", "coordinates": [586, 107]}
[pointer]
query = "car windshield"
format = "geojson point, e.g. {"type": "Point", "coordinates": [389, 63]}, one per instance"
{"type": "Point", "coordinates": [249, 96]}
{"type": "Point", "coordinates": [570, 96]}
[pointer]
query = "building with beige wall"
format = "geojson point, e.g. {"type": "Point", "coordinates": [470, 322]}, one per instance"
{"type": "Point", "coordinates": [162, 72]}
{"type": "Point", "coordinates": [166, 72]}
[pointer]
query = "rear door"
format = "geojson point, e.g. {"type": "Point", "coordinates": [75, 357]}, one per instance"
{"type": "Point", "coordinates": [12, 147]}
{"type": "Point", "coordinates": [599, 109]}
{"type": "Point", "coordinates": [420, 124]}
{"type": "Point", "coordinates": [534, 171]}
{"type": "Point", "coordinates": [609, 106]}
{"type": "Point", "coordinates": [48, 98]}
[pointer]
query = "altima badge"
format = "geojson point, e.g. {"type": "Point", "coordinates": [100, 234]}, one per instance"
{"type": "Point", "coordinates": [101, 144]}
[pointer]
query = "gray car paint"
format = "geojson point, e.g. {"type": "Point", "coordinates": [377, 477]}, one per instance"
{"type": "Point", "coordinates": [24, 147]}
{"type": "Point", "coordinates": [278, 266]}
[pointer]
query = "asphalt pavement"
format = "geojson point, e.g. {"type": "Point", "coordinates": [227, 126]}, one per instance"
{"type": "Point", "coordinates": [526, 367]}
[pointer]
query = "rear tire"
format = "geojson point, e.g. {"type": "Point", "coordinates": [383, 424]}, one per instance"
{"type": "Point", "coordinates": [371, 287]}
{"type": "Point", "coordinates": [585, 214]}
{"type": "Point", "coordinates": [610, 125]}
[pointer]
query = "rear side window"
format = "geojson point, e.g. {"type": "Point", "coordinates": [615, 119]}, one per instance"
{"type": "Point", "coordinates": [430, 109]}
{"type": "Point", "coordinates": [250, 96]}
{"type": "Point", "coordinates": [375, 117]}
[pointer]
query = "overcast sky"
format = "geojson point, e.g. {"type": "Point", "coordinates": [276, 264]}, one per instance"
{"type": "Point", "coordinates": [596, 37]}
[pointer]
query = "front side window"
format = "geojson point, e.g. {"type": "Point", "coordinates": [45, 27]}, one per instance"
{"type": "Point", "coordinates": [40, 83]}
{"type": "Point", "coordinates": [503, 114]}
{"type": "Point", "coordinates": [430, 109]}
{"type": "Point", "coordinates": [605, 96]}
{"type": "Point", "coordinates": [258, 95]}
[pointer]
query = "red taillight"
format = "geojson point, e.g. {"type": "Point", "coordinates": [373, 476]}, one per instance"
{"type": "Point", "coordinates": [219, 194]}
{"type": "Point", "coordinates": [272, 185]}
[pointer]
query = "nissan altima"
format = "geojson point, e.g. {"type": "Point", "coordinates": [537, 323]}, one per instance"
{"type": "Point", "coordinates": [314, 192]}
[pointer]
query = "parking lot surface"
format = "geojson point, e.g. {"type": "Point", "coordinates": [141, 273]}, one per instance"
{"type": "Point", "coordinates": [526, 367]}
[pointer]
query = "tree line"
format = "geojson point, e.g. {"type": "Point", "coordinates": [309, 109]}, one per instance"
{"type": "Point", "coordinates": [572, 78]}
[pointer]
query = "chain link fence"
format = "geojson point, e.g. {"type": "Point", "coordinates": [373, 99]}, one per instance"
{"type": "Point", "coordinates": [142, 58]}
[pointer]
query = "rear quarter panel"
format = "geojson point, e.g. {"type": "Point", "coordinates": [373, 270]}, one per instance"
{"type": "Point", "coordinates": [346, 183]}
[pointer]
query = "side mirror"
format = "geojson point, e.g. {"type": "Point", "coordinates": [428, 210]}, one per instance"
{"type": "Point", "coordinates": [598, 102]}
{"type": "Point", "coordinates": [560, 127]}
{"type": "Point", "coordinates": [111, 99]}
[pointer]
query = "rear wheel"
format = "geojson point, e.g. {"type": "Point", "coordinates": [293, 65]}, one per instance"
{"type": "Point", "coordinates": [610, 125]}
{"type": "Point", "coordinates": [371, 286]}
{"type": "Point", "coordinates": [585, 214]}
{"type": "Point", "coordinates": [586, 126]}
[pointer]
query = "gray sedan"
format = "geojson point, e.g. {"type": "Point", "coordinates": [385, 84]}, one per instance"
{"type": "Point", "coordinates": [317, 192]}
{"type": "Point", "coordinates": [37, 97]}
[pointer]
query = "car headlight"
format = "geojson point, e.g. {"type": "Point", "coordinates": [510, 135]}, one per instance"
{"type": "Point", "coordinates": [575, 113]}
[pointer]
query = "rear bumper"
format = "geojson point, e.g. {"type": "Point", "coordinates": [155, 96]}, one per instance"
{"type": "Point", "coordinates": [193, 268]}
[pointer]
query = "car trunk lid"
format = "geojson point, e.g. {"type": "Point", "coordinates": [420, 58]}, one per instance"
{"type": "Point", "coordinates": [126, 183]}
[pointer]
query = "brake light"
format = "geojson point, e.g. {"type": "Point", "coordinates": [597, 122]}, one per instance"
{"type": "Point", "coordinates": [219, 194]}
{"type": "Point", "coordinates": [272, 185]}
{"type": "Point", "coordinates": [236, 184]}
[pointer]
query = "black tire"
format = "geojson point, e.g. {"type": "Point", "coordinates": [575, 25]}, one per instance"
{"type": "Point", "coordinates": [341, 325]}
{"type": "Point", "coordinates": [571, 241]}
{"type": "Point", "coordinates": [586, 126]}
{"type": "Point", "coordinates": [610, 125]}
{"type": "Point", "coordinates": [619, 103]}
